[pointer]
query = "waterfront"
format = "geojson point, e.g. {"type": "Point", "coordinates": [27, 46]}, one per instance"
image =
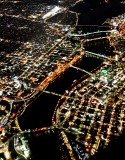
{"type": "Point", "coordinates": [40, 110]}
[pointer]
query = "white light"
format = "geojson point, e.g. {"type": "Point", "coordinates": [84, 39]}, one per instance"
{"type": "Point", "coordinates": [116, 57]}
{"type": "Point", "coordinates": [7, 155]}
{"type": "Point", "coordinates": [1, 93]}
{"type": "Point", "coordinates": [26, 153]}
{"type": "Point", "coordinates": [115, 24]}
{"type": "Point", "coordinates": [53, 12]}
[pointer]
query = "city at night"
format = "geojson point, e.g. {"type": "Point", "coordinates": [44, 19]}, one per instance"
{"type": "Point", "coordinates": [62, 79]}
